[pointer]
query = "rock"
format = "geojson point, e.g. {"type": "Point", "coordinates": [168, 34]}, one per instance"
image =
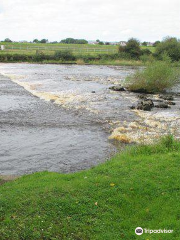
{"type": "Point", "coordinates": [167, 97]}
{"type": "Point", "coordinates": [170, 103]}
{"type": "Point", "coordinates": [133, 107]}
{"type": "Point", "coordinates": [141, 90]}
{"type": "Point", "coordinates": [162, 105]}
{"type": "Point", "coordinates": [157, 100]}
{"type": "Point", "coordinates": [142, 96]}
{"type": "Point", "coordinates": [93, 92]}
{"type": "Point", "coordinates": [145, 105]}
{"type": "Point", "coordinates": [117, 88]}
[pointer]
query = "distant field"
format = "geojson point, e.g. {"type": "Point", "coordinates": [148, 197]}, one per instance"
{"type": "Point", "coordinates": [30, 48]}
{"type": "Point", "coordinates": [48, 48]}
{"type": "Point", "coordinates": [152, 49]}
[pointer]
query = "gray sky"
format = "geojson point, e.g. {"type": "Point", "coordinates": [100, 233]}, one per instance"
{"type": "Point", "coordinates": [108, 20]}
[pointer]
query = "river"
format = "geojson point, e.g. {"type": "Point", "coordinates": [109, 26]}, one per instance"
{"type": "Point", "coordinates": [64, 118]}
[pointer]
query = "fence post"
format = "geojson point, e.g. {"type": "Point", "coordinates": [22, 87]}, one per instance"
{"type": "Point", "coordinates": [2, 47]}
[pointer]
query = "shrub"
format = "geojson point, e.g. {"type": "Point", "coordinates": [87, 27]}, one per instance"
{"type": "Point", "coordinates": [65, 55]}
{"type": "Point", "coordinates": [157, 77]}
{"type": "Point", "coordinates": [86, 58]}
{"type": "Point", "coordinates": [170, 46]}
{"type": "Point", "coordinates": [40, 57]}
{"type": "Point", "coordinates": [147, 58]}
{"type": "Point", "coordinates": [146, 52]}
{"type": "Point", "coordinates": [80, 62]}
{"type": "Point", "coordinates": [156, 43]}
{"type": "Point", "coordinates": [132, 48]}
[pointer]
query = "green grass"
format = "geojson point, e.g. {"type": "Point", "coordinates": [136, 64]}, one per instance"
{"type": "Point", "coordinates": [48, 48]}
{"type": "Point", "coordinates": [137, 188]}
{"type": "Point", "coordinates": [59, 45]}
{"type": "Point", "coordinates": [80, 51]}
{"type": "Point", "coordinates": [151, 48]}
{"type": "Point", "coordinates": [99, 62]}
{"type": "Point", "coordinates": [76, 48]}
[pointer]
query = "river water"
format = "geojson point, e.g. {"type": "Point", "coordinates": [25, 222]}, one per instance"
{"type": "Point", "coordinates": [64, 118]}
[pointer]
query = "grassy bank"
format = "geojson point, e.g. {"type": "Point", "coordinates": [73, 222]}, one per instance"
{"type": "Point", "coordinates": [67, 57]}
{"type": "Point", "coordinates": [72, 53]}
{"type": "Point", "coordinates": [137, 188]}
{"type": "Point", "coordinates": [49, 48]}
{"type": "Point", "coordinates": [98, 62]}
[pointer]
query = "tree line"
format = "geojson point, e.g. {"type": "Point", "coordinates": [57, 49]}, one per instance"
{"type": "Point", "coordinates": [74, 41]}
{"type": "Point", "coordinates": [170, 46]}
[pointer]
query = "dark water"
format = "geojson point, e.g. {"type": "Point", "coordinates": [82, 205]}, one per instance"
{"type": "Point", "coordinates": [68, 135]}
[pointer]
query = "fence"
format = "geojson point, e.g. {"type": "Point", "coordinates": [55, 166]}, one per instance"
{"type": "Point", "coordinates": [60, 48]}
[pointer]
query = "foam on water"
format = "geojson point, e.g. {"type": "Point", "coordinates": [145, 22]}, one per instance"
{"type": "Point", "coordinates": [85, 88]}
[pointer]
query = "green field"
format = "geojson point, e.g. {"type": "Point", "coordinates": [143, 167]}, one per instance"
{"type": "Point", "coordinates": [30, 48]}
{"type": "Point", "coordinates": [152, 49]}
{"type": "Point", "coordinates": [137, 188]}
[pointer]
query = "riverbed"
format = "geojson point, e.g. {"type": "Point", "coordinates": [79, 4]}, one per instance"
{"type": "Point", "coordinates": [64, 118]}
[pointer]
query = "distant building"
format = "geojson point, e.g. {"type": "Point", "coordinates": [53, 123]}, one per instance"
{"type": "Point", "coordinates": [149, 44]}
{"type": "Point", "coordinates": [123, 43]}
{"type": "Point", "coordinates": [93, 42]}
{"type": "Point", "coordinates": [114, 43]}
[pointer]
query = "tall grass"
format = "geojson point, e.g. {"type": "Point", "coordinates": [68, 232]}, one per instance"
{"type": "Point", "coordinates": [158, 76]}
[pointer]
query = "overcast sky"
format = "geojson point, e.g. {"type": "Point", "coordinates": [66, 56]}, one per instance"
{"type": "Point", "coordinates": [108, 20]}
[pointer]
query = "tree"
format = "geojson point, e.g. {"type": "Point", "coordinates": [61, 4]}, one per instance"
{"type": "Point", "coordinates": [156, 43]}
{"type": "Point", "coordinates": [132, 48]}
{"type": "Point", "coordinates": [101, 43]}
{"type": "Point", "coordinates": [74, 41]}
{"type": "Point", "coordinates": [144, 44]}
{"type": "Point", "coordinates": [44, 41]}
{"type": "Point", "coordinates": [107, 43]}
{"type": "Point", "coordinates": [169, 46]}
{"type": "Point", "coordinates": [7, 40]}
{"type": "Point", "coordinates": [65, 55]}
{"type": "Point", "coordinates": [81, 41]}
{"type": "Point", "coordinates": [35, 41]}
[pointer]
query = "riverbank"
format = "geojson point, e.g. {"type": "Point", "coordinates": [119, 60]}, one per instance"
{"type": "Point", "coordinates": [133, 63]}
{"type": "Point", "coordinates": [121, 62]}
{"type": "Point", "coordinates": [116, 62]}
{"type": "Point", "coordinates": [67, 57]}
{"type": "Point", "coordinates": [137, 188]}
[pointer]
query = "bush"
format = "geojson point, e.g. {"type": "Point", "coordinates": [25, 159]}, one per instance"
{"type": "Point", "coordinates": [65, 55]}
{"type": "Point", "coordinates": [169, 46]}
{"type": "Point", "coordinates": [40, 56]}
{"type": "Point", "coordinates": [156, 43]}
{"type": "Point", "coordinates": [132, 48]}
{"type": "Point", "coordinates": [80, 62]}
{"type": "Point", "coordinates": [157, 77]}
{"type": "Point", "coordinates": [146, 52]}
{"type": "Point", "coordinates": [147, 58]}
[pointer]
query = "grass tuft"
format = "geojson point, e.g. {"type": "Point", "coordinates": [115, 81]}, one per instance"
{"type": "Point", "coordinates": [158, 76]}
